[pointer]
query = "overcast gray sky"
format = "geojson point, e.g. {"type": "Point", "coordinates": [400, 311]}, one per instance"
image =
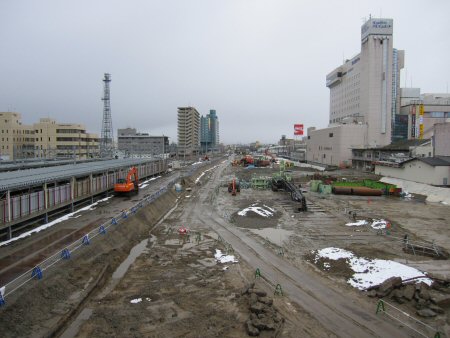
{"type": "Point", "coordinates": [260, 64]}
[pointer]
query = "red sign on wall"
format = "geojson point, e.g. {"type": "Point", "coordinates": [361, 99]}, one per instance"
{"type": "Point", "coordinates": [298, 129]}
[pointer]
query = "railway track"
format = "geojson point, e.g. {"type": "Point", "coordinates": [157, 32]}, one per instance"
{"type": "Point", "coordinates": [23, 255]}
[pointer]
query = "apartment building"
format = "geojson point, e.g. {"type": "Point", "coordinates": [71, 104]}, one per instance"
{"type": "Point", "coordinates": [188, 131]}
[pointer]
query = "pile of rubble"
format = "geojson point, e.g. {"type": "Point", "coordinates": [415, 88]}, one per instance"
{"type": "Point", "coordinates": [263, 317]}
{"type": "Point", "coordinates": [429, 301]}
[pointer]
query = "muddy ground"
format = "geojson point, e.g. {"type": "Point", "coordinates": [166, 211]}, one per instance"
{"type": "Point", "coordinates": [175, 287]}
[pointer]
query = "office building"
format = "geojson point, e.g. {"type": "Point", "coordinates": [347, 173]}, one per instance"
{"type": "Point", "coordinates": [209, 132]}
{"type": "Point", "coordinates": [363, 91]}
{"type": "Point", "coordinates": [422, 111]}
{"type": "Point", "coordinates": [45, 139]}
{"type": "Point", "coordinates": [17, 140]}
{"type": "Point", "coordinates": [64, 140]}
{"type": "Point", "coordinates": [133, 143]}
{"type": "Point", "coordinates": [188, 131]}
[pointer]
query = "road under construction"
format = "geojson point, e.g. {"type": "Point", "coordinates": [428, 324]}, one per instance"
{"type": "Point", "coordinates": [145, 277]}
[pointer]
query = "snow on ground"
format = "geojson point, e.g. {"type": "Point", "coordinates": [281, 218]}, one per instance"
{"type": "Point", "coordinates": [434, 194]}
{"type": "Point", "coordinates": [145, 183]}
{"type": "Point", "coordinates": [220, 257]}
{"type": "Point", "coordinates": [203, 173]}
{"type": "Point", "coordinates": [135, 301]}
{"type": "Point", "coordinates": [357, 223]}
{"type": "Point", "coordinates": [264, 211]}
{"type": "Point", "coordinates": [369, 272]}
{"type": "Point", "coordinates": [58, 220]}
{"type": "Point", "coordinates": [379, 224]}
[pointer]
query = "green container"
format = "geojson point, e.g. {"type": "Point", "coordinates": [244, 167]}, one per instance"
{"type": "Point", "coordinates": [325, 188]}
{"type": "Point", "coordinates": [314, 185]}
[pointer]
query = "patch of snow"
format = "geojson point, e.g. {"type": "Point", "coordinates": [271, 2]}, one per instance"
{"type": "Point", "coordinates": [379, 224]}
{"type": "Point", "coordinates": [357, 223]}
{"type": "Point", "coordinates": [258, 210]}
{"type": "Point", "coordinates": [49, 224]}
{"type": "Point", "coordinates": [2, 291]}
{"type": "Point", "coordinates": [220, 257]}
{"type": "Point", "coordinates": [145, 183]}
{"type": "Point", "coordinates": [198, 178]}
{"type": "Point", "coordinates": [187, 196]}
{"type": "Point", "coordinates": [135, 301]}
{"type": "Point", "coordinates": [370, 272]}
{"type": "Point", "coordinates": [333, 253]}
{"type": "Point", "coordinates": [148, 299]}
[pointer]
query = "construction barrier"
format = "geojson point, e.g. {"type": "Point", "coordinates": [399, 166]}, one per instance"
{"type": "Point", "coordinates": [407, 320]}
{"type": "Point", "coordinates": [66, 253]}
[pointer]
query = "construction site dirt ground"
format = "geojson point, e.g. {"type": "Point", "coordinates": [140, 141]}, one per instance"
{"type": "Point", "coordinates": [171, 285]}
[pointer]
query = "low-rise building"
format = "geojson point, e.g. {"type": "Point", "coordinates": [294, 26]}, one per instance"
{"type": "Point", "coordinates": [64, 140]}
{"type": "Point", "coordinates": [365, 158]}
{"type": "Point", "coordinates": [17, 140]}
{"type": "Point", "coordinates": [133, 143]}
{"type": "Point", "coordinates": [428, 170]}
{"type": "Point", "coordinates": [45, 139]}
{"type": "Point", "coordinates": [333, 145]}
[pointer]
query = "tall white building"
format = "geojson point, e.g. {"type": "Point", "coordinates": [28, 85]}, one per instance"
{"type": "Point", "coordinates": [365, 91]}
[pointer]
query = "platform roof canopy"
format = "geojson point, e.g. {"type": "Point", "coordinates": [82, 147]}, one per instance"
{"type": "Point", "coordinates": [20, 179]}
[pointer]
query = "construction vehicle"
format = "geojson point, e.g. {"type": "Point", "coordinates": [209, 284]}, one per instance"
{"type": "Point", "coordinates": [282, 183]}
{"type": "Point", "coordinates": [234, 187]}
{"type": "Point", "coordinates": [126, 186]}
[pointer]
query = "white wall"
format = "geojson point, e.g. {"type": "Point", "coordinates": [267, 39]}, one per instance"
{"type": "Point", "coordinates": [336, 149]}
{"type": "Point", "coordinates": [416, 171]}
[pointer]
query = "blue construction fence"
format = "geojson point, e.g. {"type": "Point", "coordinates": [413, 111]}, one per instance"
{"type": "Point", "coordinates": [38, 272]}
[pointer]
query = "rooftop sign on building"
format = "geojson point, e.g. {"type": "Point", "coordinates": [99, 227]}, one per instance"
{"type": "Point", "coordinates": [377, 27]}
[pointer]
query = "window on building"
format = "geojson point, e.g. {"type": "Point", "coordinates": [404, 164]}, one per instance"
{"type": "Point", "coordinates": [324, 155]}
{"type": "Point", "coordinates": [330, 134]}
{"type": "Point", "coordinates": [437, 114]}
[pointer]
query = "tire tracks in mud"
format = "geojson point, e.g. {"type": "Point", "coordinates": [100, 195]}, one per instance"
{"type": "Point", "coordinates": [337, 313]}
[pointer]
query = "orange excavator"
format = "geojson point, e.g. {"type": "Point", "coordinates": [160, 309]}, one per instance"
{"type": "Point", "coordinates": [234, 187]}
{"type": "Point", "coordinates": [128, 186]}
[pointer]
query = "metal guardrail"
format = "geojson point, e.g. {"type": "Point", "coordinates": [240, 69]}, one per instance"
{"type": "Point", "coordinates": [66, 253]}
{"type": "Point", "coordinates": [93, 235]}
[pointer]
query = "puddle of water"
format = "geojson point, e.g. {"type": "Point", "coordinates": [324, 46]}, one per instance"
{"type": "Point", "coordinates": [73, 329]}
{"type": "Point", "coordinates": [134, 253]}
{"type": "Point", "coordinates": [123, 267]}
{"type": "Point", "coordinates": [276, 236]}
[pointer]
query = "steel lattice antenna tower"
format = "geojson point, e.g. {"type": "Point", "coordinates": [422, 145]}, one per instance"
{"type": "Point", "coordinates": [106, 142]}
